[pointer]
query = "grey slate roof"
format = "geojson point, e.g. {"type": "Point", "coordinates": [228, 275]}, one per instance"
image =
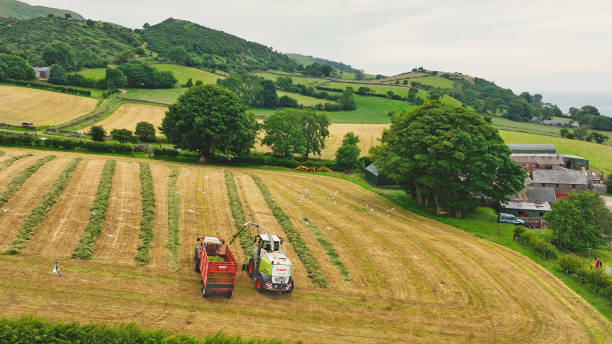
{"type": "Point", "coordinates": [541, 194]}
{"type": "Point", "coordinates": [540, 159]}
{"type": "Point", "coordinates": [543, 206]}
{"type": "Point", "coordinates": [372, 169]}
{"type": "Point", "coordinates": [534, 148]}
{"type": "Point", "coordinates": [560, 176]}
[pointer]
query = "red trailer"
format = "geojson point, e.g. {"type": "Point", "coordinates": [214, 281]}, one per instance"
{"type": "Point", "coordinates": [216, 264]}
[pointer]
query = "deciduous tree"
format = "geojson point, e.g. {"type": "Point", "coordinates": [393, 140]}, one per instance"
{"type": "Point", "coordinates": [97, 133]}
{"type": "Point", "coordinates": [145, 132]}
{"type": "Point", "coordinates": [59, 53]}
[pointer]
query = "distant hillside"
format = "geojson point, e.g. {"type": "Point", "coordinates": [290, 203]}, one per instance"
{"type": "Point", "coordinates": [21, 10]}
{"type": "Point", "coordinates": [308, 60]}
{"type": "Point", "coordinates": [211, 46]}
{"type": "Point", "coordinates": [93, 42]}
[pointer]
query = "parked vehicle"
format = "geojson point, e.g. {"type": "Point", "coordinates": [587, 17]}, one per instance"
{"type": "Point", "coordinates": [509, 218]}
{"type": "Point", "coordinates": [215, 262]}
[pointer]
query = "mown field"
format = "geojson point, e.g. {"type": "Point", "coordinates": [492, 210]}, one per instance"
{"type": "Point", "coordinates": [21, 104]}
{"type": "Point", "coordinates": [128, 115]}
{"type": "Point", "coordinates": [538, 129]}
{"type": "Point", "coordinates": [410, 279]}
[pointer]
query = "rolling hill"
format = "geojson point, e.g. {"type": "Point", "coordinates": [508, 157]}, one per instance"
{"type": "Point", "coordinates": [21, 10]}
{"type": "Point", "coordinates": [308, 60]}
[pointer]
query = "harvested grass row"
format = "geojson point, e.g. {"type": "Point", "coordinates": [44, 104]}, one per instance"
{"type": "Point", "coordinates": [8, 162]}
{"type": "Point", "coordinates": [16, 183]}
{"type": "Point", "coordinates": [238, 214]}
{"type": "Point", "coordinates": [173, 214]}
{"type": "Point", "coordinates": [148, 214]}
{"type": "Point", "coordinates": [24, 234]}
{"type": "Point", "coordinates": [97, 213]}
{"type": "Point", "coordinates": [334, 258]}
{"type": "Point", "coordinates": [312, 268]}
{"type": "Point", "coordinates": [1, 153]}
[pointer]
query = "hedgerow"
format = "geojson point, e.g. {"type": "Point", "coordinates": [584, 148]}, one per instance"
{"type": "Point", "coordinates": [238, 214]}
{"type": "Point", "coordinates": [8, 162]}
{"type": "Point", "coordinates": [173, 214]}
{"type": "Point", "coordinates": [24, 234]}
{"type": "Point", "coordinates": [16, 183]}
{"type": "Point", "coordinates": [97, 213]}
{"type": "Point", "coordinates": [165, 153]}
{"type": "Point", "coordinates": [66, 144]}
{"type": "Point", "coordinates": [312, 268]}
{"type": "Point", "coordinates": [34, 331]}
{"type": "Point", "coordinates": [148, 214]}
{"type": "Point", "coordinates": [334, 258]}
{"type": "Point", "coordinates": [538, 245]}
{"type": "Point", "coordinates": [50, 87]}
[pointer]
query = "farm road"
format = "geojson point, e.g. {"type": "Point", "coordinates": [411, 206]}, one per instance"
{"type": "Point", "coordinates": [608, 200]}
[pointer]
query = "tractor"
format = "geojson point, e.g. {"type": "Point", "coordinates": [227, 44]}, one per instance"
{"type": "Point", "coordinates": [268, 265]}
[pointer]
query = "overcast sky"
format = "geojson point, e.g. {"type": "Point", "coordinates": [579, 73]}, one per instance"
{"type": "Point", "coordinates": [540, 46]}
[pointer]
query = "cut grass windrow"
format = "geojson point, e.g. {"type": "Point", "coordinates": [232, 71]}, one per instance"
{"type": "Point", "coordinates": [329, 249]}
{"type": "Point", "coordinates": [8, 162]}
{"type": "Point", "coordinates": [1, 153]}
{"type": "Point", "coordinates": [24, 234]}
{"type": "Point", "coordinates": [312, 268]}
{"type": "Point", "coordinates": [16, 183]}
{"type": "Point", "coordinates": [148, 214]}
{"type": "Point", "coordinates": [97, 213]}
{"type": "Point", "coordinates": [173, 214]}
{"type": "Point", "coordinates": [238, 214]}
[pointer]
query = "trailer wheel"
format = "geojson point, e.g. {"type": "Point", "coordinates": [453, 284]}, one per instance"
{"type": "Point", "coordinates": [204, 293]}
{"type": "Point", "coordinates": [250, 268]}
{"type": "Point", "coordinates": [228, 294]}
{"type": "Point", "coordinates": [292, 285]}
{"type": "Point", "coordinates": [196, 258]}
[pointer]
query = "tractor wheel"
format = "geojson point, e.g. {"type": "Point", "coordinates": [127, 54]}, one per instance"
{"type": "Point", "coordinates": [204, 293]}
{"type": "Point", "coordinates": [196, 258]}
{"type": "Point", "coordinates": [228, 294]}
{"type": "Point", "coordinates": [259, 284]}
{"type": "Point", "coordinates": [292, 285]}
{"type": "Point", "coordinates": [250, 268]}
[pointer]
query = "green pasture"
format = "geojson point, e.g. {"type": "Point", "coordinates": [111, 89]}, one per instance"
{"type": "Point", "coordinates": [304, 80]}
{"type": "Point", "coordinates": [183, 73]}
{"type": "Point", "coordinates": [538, 129]}
{"type": "Point", "coordinates": [93, 73]}
{"type": "Point", "coordinates": [162, 95]}
{"type": "Point", "coordinates": [303, 100]}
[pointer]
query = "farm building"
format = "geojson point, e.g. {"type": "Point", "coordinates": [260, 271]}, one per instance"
{"type": "Point", "coordinates": [553, 122]}
{"type": "Point", "coordinates": [532, 148]}
{"type": "Point", "coordinates": [533, 161]}
{"type": "Point", "coordinates": [575, 162]}
{"type": "Point", "coordinates": [563, 180]}
{"type": "Point", "coordinates": [41, 72]}
{"type": "Point", "coordinates": [526, 209]}
{"type": "Point", "coordinates": [374, 177]}
{"type": "Point", "coordinates": [535, 194]}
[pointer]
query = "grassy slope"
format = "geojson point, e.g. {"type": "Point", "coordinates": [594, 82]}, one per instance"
{"type": "Point", "coordinates": [183, 73]}
{"type": "Point", "coordinates": [22, 10]}
{"type": "Point", "coordinates": [600, 156]}
{"type": "Point", "coordinates": [532, 128]}
{"type": "Point", "coordinates": [94, 73]}
{"type": "Point", "coordinates": [303, 100]}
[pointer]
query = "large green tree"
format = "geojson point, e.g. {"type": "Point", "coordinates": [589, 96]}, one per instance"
{"type": "Point", "coordinates": [114, 79]}
{"type": "Point", "coordinates": [16, 68]}
{"type": "Point", "coordinates": [145, 132]}
{"type": "Point", "coordinates": [59, 53]}
{"type": "Point", "coordinates": [580, 221]}
{"type": "Point", "coordinates": [57, 75]}
{"type": "Point", "coordinates": [347, 156]}
{"type": "Point", "coordinates": [292, 131]}
{"type": "Point", "coordinates": [447, 156]}
{"type": "Point", "coordinates": [208, 118]}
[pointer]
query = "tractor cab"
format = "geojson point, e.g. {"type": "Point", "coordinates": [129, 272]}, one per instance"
{"type": "Point", "coordinates": [263, 246]}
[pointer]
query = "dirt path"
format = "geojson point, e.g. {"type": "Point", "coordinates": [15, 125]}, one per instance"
{"type": "Point", "coordinates": [608, 200]}
{"type": "Point", "coordinates": [55, 236]}
{"type": "Point", "coordinates": [19, 206]}
{"type": "Point", "coordinates": [118, 240]}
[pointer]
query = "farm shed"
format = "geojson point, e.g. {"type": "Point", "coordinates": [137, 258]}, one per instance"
{"type": "Point", "coordinates": [532, 148]}
{"type": "Point", "coordinates": [563, 180]}
{"type": "Point", "coordinates": [535, 194]}
{"type": "Point", "coordinates": [575, 162]}
{"type": "Point", "coordinates": [374, 177]}
{"type": "Point", "coordinates": [526, 209]}
{"type": "Point", "coordinates": [532, 161]}
{"type": "Point", "coordinates": [41, 72]}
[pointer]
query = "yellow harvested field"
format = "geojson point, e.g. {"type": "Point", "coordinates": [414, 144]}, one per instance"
{"type": "Point", "coordinates": [128, 115]}
{"type": "Point", "coordinates": [414, 280]}
{"type": "Point", "coordinates": [21, 104]}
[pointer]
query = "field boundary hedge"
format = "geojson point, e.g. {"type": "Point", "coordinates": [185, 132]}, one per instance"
{"type": "Point", "coordinates": [49, 87]}
{"type": "Point", "coordinates": [97, 213]}
{"type": "Point", "coordinates": [24, 234]}
{"type": "Point", "coordinates": [34, 331]}
{"type": "Point", "coordinates": [303, 253]}
{"type": "Point", "coordinates": [174, 202]}
{"type": "Point", "coordinates": [8, 162]}
{"type": "Point", "coordinates": [66, 144]}
{"type": "Point", "coordinates": [334, 258]}
{"type": "Point", "coordinates": [15, 184]}
{"type": "Point", "coordinates": [238, 214]}
{"type": "Point", "coordinates": [148, 214]}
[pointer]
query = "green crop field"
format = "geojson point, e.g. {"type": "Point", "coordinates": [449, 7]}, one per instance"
{"type": "Point", "coordinates": [183, 73]}
{"type": "Point", "coordinates": [435, 81]}
{"type": "Point", "coordinates": [600, 156]}
{"type": "Point", "coordinates": [94, 73]}
{"type": "Point", "coordinates": [162, 95]}
{"type": "Point", "coordinates": [303, 100]}
{"type": "Point", "coordinates": [380, 89]}
{"type": "Point", "coordinates": [370, 110]}
{"type": "Point", "coordinates": [296, 79]}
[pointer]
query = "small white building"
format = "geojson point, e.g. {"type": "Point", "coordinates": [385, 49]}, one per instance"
{"type": "Point", "coordinates": [41, 72]}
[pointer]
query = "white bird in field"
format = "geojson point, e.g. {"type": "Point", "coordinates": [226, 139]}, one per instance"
{"type": "Point", "coordinates": [57, 270]}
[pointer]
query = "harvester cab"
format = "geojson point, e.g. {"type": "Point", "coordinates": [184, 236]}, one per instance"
{"type": "Point", "coordinates": [268, 265]}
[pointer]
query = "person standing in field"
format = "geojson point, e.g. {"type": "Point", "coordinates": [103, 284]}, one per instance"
{"type": "Point", "coordinates": [597, 263]}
